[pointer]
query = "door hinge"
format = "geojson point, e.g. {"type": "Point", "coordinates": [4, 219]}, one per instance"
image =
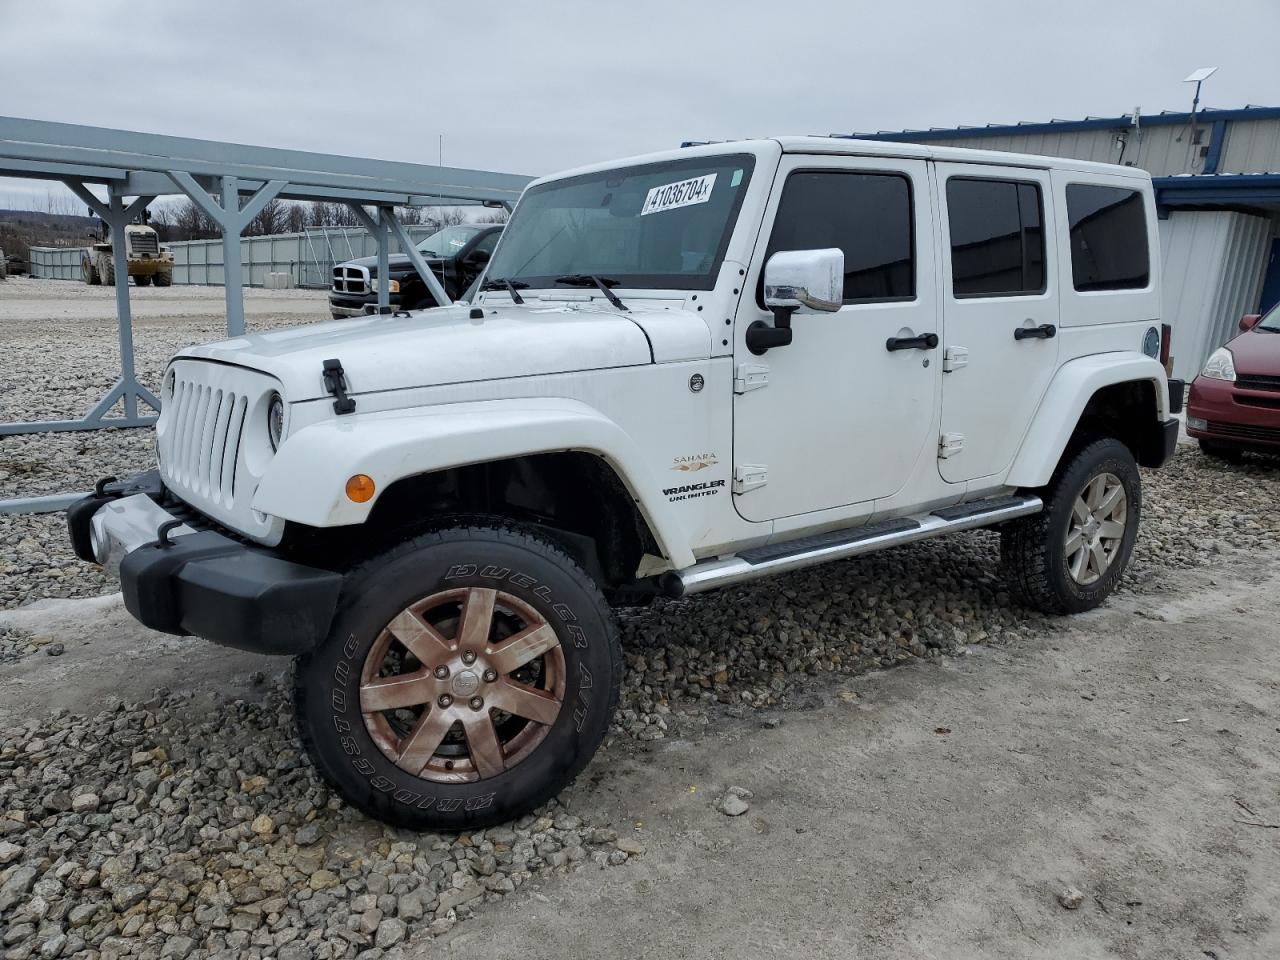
{"type": "Point", "coordinates": [750, 376]}
{"type": "Point", "coordinates": [949, 444]}
{"type": "Point", "coordinates": [954, 358]}
{"type": "Point", "coordinates": [749, 476]}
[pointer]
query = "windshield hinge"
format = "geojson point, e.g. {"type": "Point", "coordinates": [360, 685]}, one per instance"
{"type": "Point", "coordinates": [335, 382]}
{"type": "Point", "coordinates": [750, 376]}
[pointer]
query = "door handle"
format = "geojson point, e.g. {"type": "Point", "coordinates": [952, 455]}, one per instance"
{"type": "Point", "coordinates": [925, 341]}
{"type": "Point", "coordinates": [1046, 331]}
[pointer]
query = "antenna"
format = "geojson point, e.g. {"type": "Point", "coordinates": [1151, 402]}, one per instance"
{"type": "Point", "coordinates": [1197, 77]}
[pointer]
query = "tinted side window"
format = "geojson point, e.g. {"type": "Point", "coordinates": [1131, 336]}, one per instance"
{"type": "Point", "coordinates": [867, 215]}
{"type": "Point", "coordinates": [997, 237]}
{"type": "Point", "coordinates": [1108, 238]}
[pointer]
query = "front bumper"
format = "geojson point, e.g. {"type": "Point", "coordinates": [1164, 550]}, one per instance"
{"type": "Point", "coordinates": [186, 581]}
{"type": "Point", "coordinates": [358, 304]}
{"type": "Point", "coordinates": [1219, 410]}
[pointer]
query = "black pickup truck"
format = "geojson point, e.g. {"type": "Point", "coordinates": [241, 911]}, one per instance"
{"type": "Point", "coordinates": [456, 255]}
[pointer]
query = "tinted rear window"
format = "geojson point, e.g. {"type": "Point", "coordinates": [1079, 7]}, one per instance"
{"type": "Point", "coordinates": [1108, 238]}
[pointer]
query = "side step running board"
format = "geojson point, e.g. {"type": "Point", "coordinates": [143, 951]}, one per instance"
{"type": "Point", "coordinates": [839, 544]}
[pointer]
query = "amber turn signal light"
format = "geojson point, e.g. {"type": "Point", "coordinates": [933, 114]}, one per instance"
{"type": "Point", "coordinates": [360, 488]}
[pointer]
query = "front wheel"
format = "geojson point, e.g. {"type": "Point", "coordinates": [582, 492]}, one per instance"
{"type": "Point", "coordinates": [470, 674]}
{"type": "Point", "coordinates": [1069, 557]}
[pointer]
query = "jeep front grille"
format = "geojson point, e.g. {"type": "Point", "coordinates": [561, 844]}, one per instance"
{"type": "Point", "coordinates": [350, 279]}
{"type": "Point", "coordinates": [212, 443]}
{"type": "Point", "coordinates": [201, 453]}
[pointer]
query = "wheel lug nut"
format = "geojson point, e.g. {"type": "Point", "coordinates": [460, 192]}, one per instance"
{"type": "Point", "coordinates": [445, 700]}
{"type": "Point", "coordinates": [468, 657]}
{"type": "Point", "coordinates": [490, 676]}
{"type": "Point", "coordinates": [476, 703]}
{"type": "Point", "coordinates": [441, 671]}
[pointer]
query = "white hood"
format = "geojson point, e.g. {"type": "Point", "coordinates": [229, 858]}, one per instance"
{"type": "Point", "coordinates": [443, 346]}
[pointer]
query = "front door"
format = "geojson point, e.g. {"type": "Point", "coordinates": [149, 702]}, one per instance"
{"type": "Point", "coordinates": [836, 418]}
{"type": "Point", "coordinates": [1000, 313]}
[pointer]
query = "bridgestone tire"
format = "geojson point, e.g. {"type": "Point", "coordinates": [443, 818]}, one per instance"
{"type": "Point", "coordinates": [491, 555]}
{"type": "Point", "coordinates": [1033, 548]}
{"type": "Point", "coordinates": [109, 275]}
{"type": "Point", "coordinates": [1221, 451]}
{"type": "Point", "coordinates": [163, 279]}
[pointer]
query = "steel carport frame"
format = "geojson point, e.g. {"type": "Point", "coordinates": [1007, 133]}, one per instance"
{"type": "Point", "coordinates": [136, 168]}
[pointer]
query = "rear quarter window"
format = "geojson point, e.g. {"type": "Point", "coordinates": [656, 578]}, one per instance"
{"type": "Point", "coordinates": [1108, 227]}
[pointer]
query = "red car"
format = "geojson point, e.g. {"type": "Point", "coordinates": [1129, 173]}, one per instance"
{"type": "Point", "coordinates": [1235, 402]}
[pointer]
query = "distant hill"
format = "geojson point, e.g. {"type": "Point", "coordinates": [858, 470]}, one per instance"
{"type": "Point", "coordinates": [20, 229]}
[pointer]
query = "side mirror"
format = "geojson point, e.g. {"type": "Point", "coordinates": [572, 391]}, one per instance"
{"type": "Point", "coordinates": [812, 279]}
{"type": "Point", "coordinates": [1249, 321]}
{"type": "Point", "coordinates": [795, 280]}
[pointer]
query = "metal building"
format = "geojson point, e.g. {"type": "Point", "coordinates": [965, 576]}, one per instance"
{"type": "Point", "coordinates": [1217, 179]}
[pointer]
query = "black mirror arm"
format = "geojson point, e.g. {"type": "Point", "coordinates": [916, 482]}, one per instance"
{"type": "Point", "coordinates": [761, 336]}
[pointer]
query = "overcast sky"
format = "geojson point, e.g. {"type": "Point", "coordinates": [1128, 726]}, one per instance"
{"type": "Point", "coordinates": [536, 87]}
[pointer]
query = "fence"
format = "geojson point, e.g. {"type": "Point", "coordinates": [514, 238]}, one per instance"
{"type": "Point", "coordinates": [308, 256]}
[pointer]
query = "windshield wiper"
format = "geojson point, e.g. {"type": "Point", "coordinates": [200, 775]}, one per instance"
{"type": "Point", "coordinates": [591, 279]}
{"type": "Point", "coordinates": [512, 287]}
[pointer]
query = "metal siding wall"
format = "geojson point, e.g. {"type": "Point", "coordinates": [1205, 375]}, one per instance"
{"type": "Point", "coordinates": [1252, 147]}
{"type": "Point", "coordinates": [1212, 276]}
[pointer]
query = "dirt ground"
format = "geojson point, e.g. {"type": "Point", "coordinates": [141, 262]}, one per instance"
{"type": "Point", "coordinates": [931, 811]}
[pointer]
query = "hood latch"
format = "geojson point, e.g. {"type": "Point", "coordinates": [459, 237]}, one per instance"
{"type": "Point", "coordinates": [335, 382]}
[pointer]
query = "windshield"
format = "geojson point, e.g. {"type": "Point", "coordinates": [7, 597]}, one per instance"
{"type": "Point", "coordinates": [661, 225]}
{"type": "Point", "coordinates": [1271, 322]}
{"type": "Point", "coordinates": [448, 242]}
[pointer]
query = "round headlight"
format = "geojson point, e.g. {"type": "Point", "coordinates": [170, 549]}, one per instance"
{"type": "Point", "coordinates": [275, 421]}
{"type": "Point", "coordinates": [1151, 343]}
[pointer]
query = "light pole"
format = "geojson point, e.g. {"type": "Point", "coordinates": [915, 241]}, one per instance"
{"type": "Point", "coordinates": [1197, 77]}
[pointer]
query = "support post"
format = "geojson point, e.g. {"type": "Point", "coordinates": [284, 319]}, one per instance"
{"type": "Point", "coordinates": [231, 220]}
{"type": "Point", "coordinates": [384, 266]}
{"type": "Point", "coordinates": [232, 288]}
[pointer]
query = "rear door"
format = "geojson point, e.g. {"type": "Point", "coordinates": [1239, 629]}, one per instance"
{"type": "Point", "coordinates": [1000, 297]}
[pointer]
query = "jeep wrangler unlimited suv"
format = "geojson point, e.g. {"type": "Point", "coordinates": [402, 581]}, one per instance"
{"type": "Point", "coordinates": [682, 371]}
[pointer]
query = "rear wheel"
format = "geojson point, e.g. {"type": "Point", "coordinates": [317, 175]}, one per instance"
{"type": "Point", "coordinates": [1221, 451]}
{"type": "Point", "coordinates": [1069, 557]}
{"type": "Point", "coordinates": [108, 273]}
{"type": "Point", "coordinates": [470, 674]}
{"type": "Point", "coordinates": [90, 272]}
{"type": "Point", "coordinates": [142, 281]}
{"type": "Point", "coordinates": [163, 279]}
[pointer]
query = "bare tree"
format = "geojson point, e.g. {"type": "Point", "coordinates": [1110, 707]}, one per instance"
{"type": "Point", "coordinates": [496, 215]}
{"type": "Point", "coordinates": [295, 219]}
{"type": "Point", "coordinates": [268, 221]}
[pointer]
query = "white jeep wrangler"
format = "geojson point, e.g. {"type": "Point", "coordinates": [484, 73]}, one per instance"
{"type": "Point", "coordinates": [682, 371]}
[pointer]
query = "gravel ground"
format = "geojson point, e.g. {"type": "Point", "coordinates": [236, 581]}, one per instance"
{"type": "Point", "coordinates": [175, 828]}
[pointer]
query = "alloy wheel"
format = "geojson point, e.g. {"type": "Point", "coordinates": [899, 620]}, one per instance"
{"type": "Point", "coordinates": [463, 684]}
{"type": "Point", "coordinates": [1095, 531]}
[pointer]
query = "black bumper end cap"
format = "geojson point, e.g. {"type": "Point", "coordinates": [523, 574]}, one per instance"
{"type": "Point", "coordinates": [210, 586]}
{"type": "Point", "coordinates": [1177, 390]}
